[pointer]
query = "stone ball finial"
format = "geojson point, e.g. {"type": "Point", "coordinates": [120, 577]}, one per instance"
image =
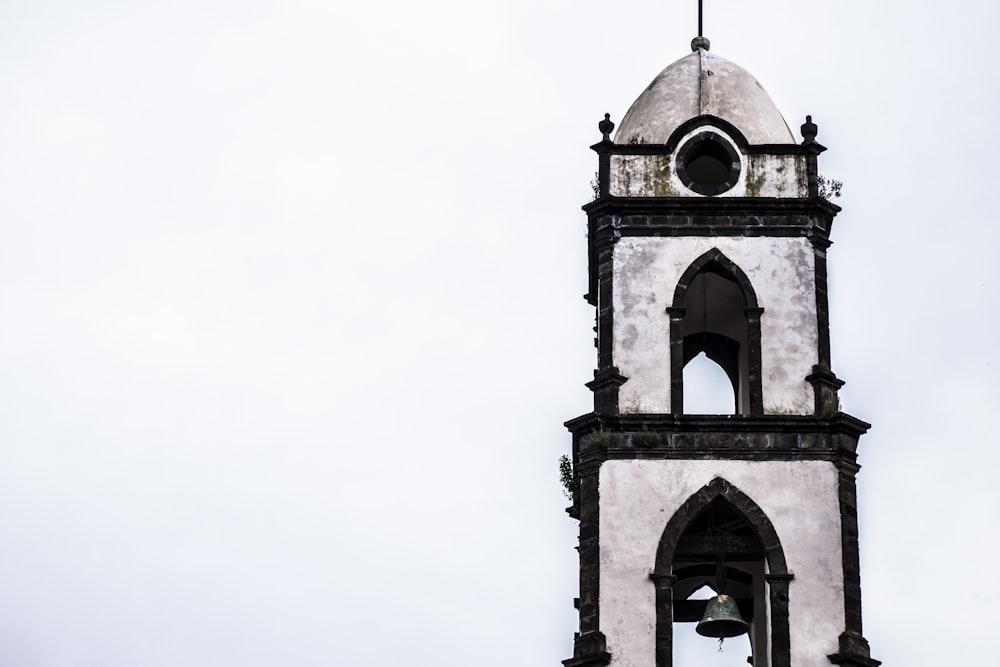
{"type": "Point", "coordinates": [700, 43]}
{"type": "Point", "coordinates": [606, 126]}
{"type": "Point", "coordinates": [809, 130]}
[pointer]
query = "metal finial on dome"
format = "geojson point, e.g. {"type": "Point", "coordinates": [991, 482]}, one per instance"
{"type": "Point", "coordinates": [605, 126]}
{"type": "Point", "coordinates": [809, 130]}
{"type": "Point", "coordinates": [700, 42]}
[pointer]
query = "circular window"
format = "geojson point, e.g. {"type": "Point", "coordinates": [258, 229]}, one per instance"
{"type": "Point", "coordinates": [707, 164]}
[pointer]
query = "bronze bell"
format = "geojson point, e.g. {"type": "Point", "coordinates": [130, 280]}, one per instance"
{"type": "Point", "coordinates": [721, 619]}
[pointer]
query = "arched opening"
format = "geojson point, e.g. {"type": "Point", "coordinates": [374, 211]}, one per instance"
{"type": "Point", "coordinates": [720, 542]}
{"type": "Point", "coordinates": [720, 550]}
{"type": "Point", "coordinates": [708, 389]}
{"type": "Point", "coordinates": [707, 164]}
{"type": "Point", "coordinates": [715, 323]}
{"type": "Point", "coordinates": [715, 313]}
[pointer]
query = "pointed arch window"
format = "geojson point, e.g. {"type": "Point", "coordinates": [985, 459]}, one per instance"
{"type": "Point", "coordinates": [715, 312]}
{"type": "Point", "coordinates": [721, 539]}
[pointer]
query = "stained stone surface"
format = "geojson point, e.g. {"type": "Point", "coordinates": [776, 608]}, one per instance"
{"type": "Point", "coordinates": [702, 83]}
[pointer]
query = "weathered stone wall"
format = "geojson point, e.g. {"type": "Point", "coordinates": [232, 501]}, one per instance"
{"type": "Point", "coordinates": [782, 272]}
{"type": "Point", "coordinates": [761, 175]}
{"type": "Point", "coordinates": [638, 498]}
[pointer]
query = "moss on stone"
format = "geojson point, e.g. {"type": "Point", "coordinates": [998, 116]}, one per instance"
{"type": "Point", "coordinates": [661, 171]}
{"type": "Point", "coordinates": [755, 178]}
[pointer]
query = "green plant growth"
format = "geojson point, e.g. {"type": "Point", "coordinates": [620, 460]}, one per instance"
{"type": "Point", "coordinates": [601, 437]}
{"type": "Point", "coordinates": [830, 407]}
{"type": "Point", "coordinates": [755, 180]}
{"type": "Point", "coordinates": [829, 188]}
{"type": "Point", "coordinates": [646, 438]}
{"type": "Point", "coordinates": [567, 477]}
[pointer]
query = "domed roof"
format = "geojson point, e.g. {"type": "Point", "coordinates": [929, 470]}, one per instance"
{"type": "Point", "coordinates": [697, 84]}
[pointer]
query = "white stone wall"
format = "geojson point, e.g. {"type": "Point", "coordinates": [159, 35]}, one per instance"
{"type": "Point", "coordinates": [800, 498]}
{"type": "Point", "coordinates": [760, 175]}
{"type": "Point", "coordinates": [782, 272]}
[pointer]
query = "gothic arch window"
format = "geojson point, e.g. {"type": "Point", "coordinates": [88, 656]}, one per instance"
{"type": "Point", "coordinates": [715, 312]}
{"type": "Point", "coordinates": [708, 388]}
{"type": "Point", "coordinates": [720, 538]}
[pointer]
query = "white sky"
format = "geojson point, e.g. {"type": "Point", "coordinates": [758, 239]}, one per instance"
{"type": "Point", "coordinates": [290, 316]}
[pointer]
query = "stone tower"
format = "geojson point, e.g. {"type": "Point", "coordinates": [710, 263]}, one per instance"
{"type": "Point", "coordinates": [708, 235]}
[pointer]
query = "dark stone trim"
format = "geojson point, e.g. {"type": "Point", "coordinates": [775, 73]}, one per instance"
{"type": "Point", "coordinates": [781, 647]}
{"type": "Point", "coordinates": [822, 306]}
{"type": "Point", "coordinates": [601, 437]}
{"type": "Point", "coordinates": [850, 551]}
{"type": "Point", "coordinates": [676, 359]}
{"type": "Point", "coordinates": [713, 454]}
{"type": "Point", "coordinates": [714, 256]}
{"type": "Point", "coordinates": [753, 313]}
{"type": "Point", "coordinates": [854, 652]}
{"type": "Point", "coordinates": [840, 423]}
{"type": "Point", "coordinates": [603, 232]}
{"type": "Point", "coordinates": [667, 149]}
{"type": "Point", "coordinates": [813, 150]}
{"type": "Point", "coordinates": [819, 241]}
{"type": "Point", "coordinates": [712, 206]}
{"type": "Point", "coordinates": [588, 454]}
{"type": "Point", "coordinates": [754, 363]}
{"type": "Point", "coordinates": [825, 387]}
{"type": "Point", "coordinates": [755, 516]}
{"type": "Point", "coordinates": [589, 650]}
{"type": "Point", "coordinates": [602, 275]}
{"type": "Point", "coordinates": [774, 555]}
{"type": "Point", "coordinates": [605, 387]}
{"type": "Point", "coordinates": [666, 224]}
{"type": "Point", "coordinates": [603, 149]}
{"type": "Point", "coordinates": [709, 120]}
{"type": "Point", "coordinates": [607, 225]}
{"type": "Point", "coordinates": [720, 230]}
{"type": "Point", "coordinates": [680, 164]}
{"type": "Point", "coordinates": [664, 584]}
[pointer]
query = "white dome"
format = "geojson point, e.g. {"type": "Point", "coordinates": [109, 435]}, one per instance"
{"type": "Point", "coordinates": [701, 83]}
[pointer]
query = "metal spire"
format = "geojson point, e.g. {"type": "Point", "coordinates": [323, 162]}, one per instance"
{"type": "Point", "coordinates": [700, 42]}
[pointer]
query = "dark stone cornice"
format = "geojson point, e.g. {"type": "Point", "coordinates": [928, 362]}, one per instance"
{"type": "Point", "coordinates": [667, 149]}
{"type": "Point", "coordinates": [839, 423]}
{"type": "Point", "coordinates": [610, 219]}
{"type": "Point", "coordinates": [602, 437]}
{"type": "Point", "coordinates": [606, 377]}
{"type": "Point", "coordinates": [702, 206]}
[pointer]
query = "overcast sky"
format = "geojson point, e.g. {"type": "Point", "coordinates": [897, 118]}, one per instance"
{"type": "Point", "coordinates": [290, 316]}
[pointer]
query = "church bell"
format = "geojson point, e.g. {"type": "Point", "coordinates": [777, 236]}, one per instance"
{"type": "Point", "coordinates": [722, 619]}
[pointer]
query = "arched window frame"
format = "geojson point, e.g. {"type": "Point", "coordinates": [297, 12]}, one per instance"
{"type": "Point", "coordinates": [778, 577]}
{"type": "Point", "coordinates": [752, 312]}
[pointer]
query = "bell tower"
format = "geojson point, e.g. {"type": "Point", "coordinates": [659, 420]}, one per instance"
{"type": "Point", "coordinates": [708, 235]}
